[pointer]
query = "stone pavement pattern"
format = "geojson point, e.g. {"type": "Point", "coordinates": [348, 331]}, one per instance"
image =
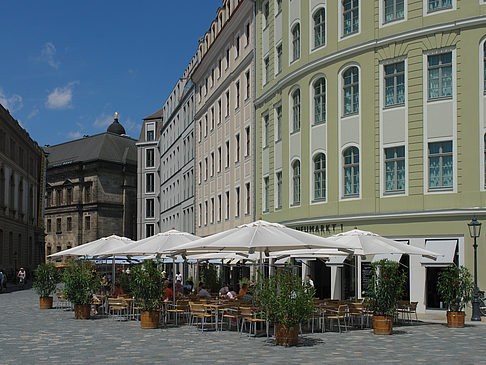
{"type": "Point", "coordinates": [31, 336]}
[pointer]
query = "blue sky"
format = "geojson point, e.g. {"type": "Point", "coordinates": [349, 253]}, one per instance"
{"type": "Point", "coordinates": [67, 66]}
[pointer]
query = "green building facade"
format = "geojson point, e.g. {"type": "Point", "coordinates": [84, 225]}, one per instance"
{"type": "Point", "coordinates": [370, 114]}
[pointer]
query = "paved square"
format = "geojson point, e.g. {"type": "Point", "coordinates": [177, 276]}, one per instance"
{"type": "Point", "coordinates": [32, 336]}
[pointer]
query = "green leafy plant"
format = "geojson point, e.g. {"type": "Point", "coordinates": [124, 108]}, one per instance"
{"type": "Point", "coordinates": [46, 278]}
{"type": "Point", "coordinates": [209, 276]}
{"type": "Point", "coordinates": [285, 299]}
{"type": "Point", "coordinates": [81, 282]}
{"type": "Point", "coordinates": [147, 285]}
{"type": "Point", "coordinates": [123, 281]}
{"type": "Point", "coordinates": [455, 287]}
{"type": "Point", "coordinates": [385, 288]}
{"type": "Point", "coordinates": [246, 281]}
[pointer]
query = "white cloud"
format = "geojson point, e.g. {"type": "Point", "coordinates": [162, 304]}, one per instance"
{"type": "Point", "coordinates": [74, 135]}
{"type": "Point", "coordinates": [61, 97]}
{"type": "Point", "coordinates": [33, 113]}
{"type": "Point", "coordinates": [48, 54]}
{"type": "Point", "coordinates": [103, 121]}
{"type": "Point", "coordinates": [12, 102]}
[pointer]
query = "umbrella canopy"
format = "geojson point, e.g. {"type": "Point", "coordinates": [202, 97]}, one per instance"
{"type": "Point", "coordinates": [369, 243]}
{"type": "Point", "coordinates": [95, 248]}
{"type": "Point", "coordinates": [154, 245]}
{"type": "Point", "coordinates": [223, 256]}
{"type": "Point", "coordinates": [258, 236]}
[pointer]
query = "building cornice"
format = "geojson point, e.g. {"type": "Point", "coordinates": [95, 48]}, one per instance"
{"type": "Point", "coordinates": [363, 47]}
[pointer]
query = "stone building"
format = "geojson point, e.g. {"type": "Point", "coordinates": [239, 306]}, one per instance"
{"type": "Point", "coordinates": [21, 185]}
{"type": "Point", "coordinates": [91, 189]}
{"type": "Point", "coordinates": [224, 120]}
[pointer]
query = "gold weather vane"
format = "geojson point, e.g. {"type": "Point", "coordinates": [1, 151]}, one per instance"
{"type": "Point", "coordinates": [116, 115]}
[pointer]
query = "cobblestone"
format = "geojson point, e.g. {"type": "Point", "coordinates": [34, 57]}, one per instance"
{"type": "Point", "coordinates": [33, 336]}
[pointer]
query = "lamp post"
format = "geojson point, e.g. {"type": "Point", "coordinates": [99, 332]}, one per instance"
{"type": "Point", "coordinates": [474, 231]}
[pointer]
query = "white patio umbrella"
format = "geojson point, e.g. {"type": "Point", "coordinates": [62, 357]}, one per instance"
{"type": "Point", "coordinates": [96, 248]}
{"type": "Point", "coordinates": [156, 245]}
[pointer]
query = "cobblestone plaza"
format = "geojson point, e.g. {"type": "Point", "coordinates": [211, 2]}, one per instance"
{"type": "Point", "coordinates": [34, 336]}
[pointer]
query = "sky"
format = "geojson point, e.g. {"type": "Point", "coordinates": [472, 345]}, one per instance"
{"type": "Point", "coordinates": [67, 66]}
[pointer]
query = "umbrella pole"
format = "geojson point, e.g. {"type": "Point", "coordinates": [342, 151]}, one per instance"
{"type": "Point", "coordinates": [173, 279]}
{"type": "Point", "coordinates": [113, 273]}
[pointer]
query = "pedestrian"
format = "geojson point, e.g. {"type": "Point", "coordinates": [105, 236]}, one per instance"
{"type": "Point", "coordinates": [179, 276]}
{"type": "Point", "coordinates": [3, 281]}
{"type": "Point", "coordinates": [21, 277]}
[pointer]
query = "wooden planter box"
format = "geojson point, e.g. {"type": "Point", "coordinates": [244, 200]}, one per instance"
{"type": "Point", "coordinates": [286, 336]}
{"type": "Point", "coordinates": [382, 325]}
{"type": "Point", "coordinates": [45, 302]}
{"type": "Point", "coordinates": [82, 311]}
{"type": "Point", "coordinates": [149, 319]}
{"type": "Point", "coordinates": [455, 319]}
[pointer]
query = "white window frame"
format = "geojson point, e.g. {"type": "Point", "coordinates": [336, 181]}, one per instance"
{"type": "Point", "coordinates": [343, 36]}
{"type": "Point", "coordinates": [384, 23]}
{"type": "Point", "coordinates": [313, 11]}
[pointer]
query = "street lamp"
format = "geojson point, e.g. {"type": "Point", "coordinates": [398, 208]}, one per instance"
{"type": "Point", "coordinates": [474, 231]}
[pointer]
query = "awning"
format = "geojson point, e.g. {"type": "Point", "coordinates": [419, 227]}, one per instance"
{"type": "Point", "coordinates": [445, 247]}
{"type": "Point", "coordinates": [389, 256]}
{"type": "Point", "coordinates": [336, 260]}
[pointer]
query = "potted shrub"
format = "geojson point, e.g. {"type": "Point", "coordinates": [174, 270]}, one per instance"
{"type": "Point", "coordinates": [147, 285]}
{"type": "Point", "coordinates": [456, 288]}
{"type": "Point", "coordinates": [286, 301]}
{"type": "Point", "coordinates": [80, 285]}
{"type": "Point", "coordinates": [384, 292]}
{"type": "Point", "coordinates": [45, 283]}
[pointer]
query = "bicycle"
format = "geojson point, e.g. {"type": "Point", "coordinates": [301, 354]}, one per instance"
{"type": "Point", "coordinates": [482, 303]}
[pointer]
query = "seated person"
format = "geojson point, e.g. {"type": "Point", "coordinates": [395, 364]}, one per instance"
{"type": "Point", "coordinates": [179, 289]}
{"type": "Point", "coordinates": [187, 288]}
{"type": "Point", "coordinates": [231, 294]}
{"type": "Point", "coordinates": [118, 291]}
{"type": "Point", "coordinates": [203, 293]}
{"type": "Point", "coordinates": [243, 290]}
{"type": "Point", "coordinates": [168, 293]}
{"type": "Point", "coordinates": [247, 298]}
{"type": "Point", "coordinates": [224, 290]}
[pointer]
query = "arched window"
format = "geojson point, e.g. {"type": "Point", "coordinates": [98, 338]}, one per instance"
{"type": "Point", "coordinates": [351, 90]}
{"type": "Point", "coordinates": [320, 177]}
{"type": "Point", "coordinates": [296, 182]}
{"type": "Point", "coordinates": [296, 110]}
{"type": "Point", "coordinates": [484, 65]}
{"type": "Point", "coordinates": [319, 28]}
{"type": "Point", "coordinates": [296, 42]}
{"type": "Point", "coordinates": [351, 171]}
{"type": "Point", "coordinates": [320, 101]}
{"type": "Point", "coordinates": [12, 193]}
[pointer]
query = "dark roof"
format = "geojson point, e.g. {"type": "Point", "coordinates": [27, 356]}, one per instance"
{"type": "Point", "coordinates": [116, 127]}
{"type": "Point", "coordinates": [157, 115]}
{"type": "Point", "coordinates": [105, 146]}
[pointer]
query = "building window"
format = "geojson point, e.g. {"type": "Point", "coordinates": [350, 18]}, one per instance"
{"type": "Point", "coordinates": [87, 223]}
{"type": "Point", "coordinates": [247, 82]}
{"type": "Point", "coordinates": [278, 176]}
{"type": "Point", "coordinates": [319, 28]}
{"type": "Point", "coordinates": [247, 34]}
{"type": "Point", "coordinates": [279, 6]}
{"type": "Point", "coordinates": [237, 46]}
{"type": "Point", "coordinates": [206, 213]}
{"type": "Point", "coordinates": [149, 161]}
{"type": "Point", "coordinates": [200, 172]}
{"type": "Point", "coordinates": [149, 230]}
{"type": "Point", "coordinates": [435, 5]}
{"type": "Point", "coordinates": [200, 215]}
{"type": "Point", "coordinates": [266, 14]}
{"type": "Point", "coordinates": [279, 58]}
{"type": "Point", "coordinates": [237, 198]}
{"type": "Point", "coordinates": [266, 67]}
{"type": "Point", "coordinates": [394, 10]}
{"type": "Point", "coordinates": [266, 198]}
{"type": "Point", "coordinates": [206, 125]}
{"type": "Point", "coordinates": [58, 197]}
{"type": "Point", "coordinates": [220, 208]}
{"type": "Point", "coordinates": [351, 90]}
{"type": "Point", "coordinates": [200, 130]}
{"type": "Point", "coordinates": [220, 113]}
{"type": "Point", "coordinates": [87, 193]}
{"type": "Point", "coordinates": [320, 101]}
{"type": "Point", "coordinates": [49, 225]}
{"type": "Point", "coordinates": [49, 198]}
{"type": "Point", "coordinates": [296, 111]}
{"type": "Point", "coordinates": [350, 16]}
{"type": "Point", "coordinates": [220, 158]}
{"type": "Point", "coordinates": [394, 83]}
{"type": "Point", "coordinates": [212, 164]}
{"type": "Point", "coordinates": [212, 210]}
{"type": "Point", "coordinates": [227, 214]}
{"type": "Point", "coordinates": [237, 148]}
{"type": "Point", "coordinates": [248, 198]}
{"type": "Point", "coordinates": [296, 182]}
{"type": "Point", "coordinates": [395, 169]}
{"type": "Point", "coordinates": [227, 103]}
{"type": "Point", "coordinates": [440, 165]}
{"type": "Point", "coordinates": [248, 145]}
{"type": "Point", "coordinates": [296, 42]}
{"type": "Point", "coordinates": [212, 118]}
{"type": "Point", "coordinates": [227, 154]}
{"type": "Point", "coordinates": [149, 208]}
{"type": "Point", "coordinates": [266, 132]}
{"type": "Point", "coordinates": [149, 183]}
{"type": "Point", "coordinates": [440, 75]}
{"type": "Point", "coordinates": [484, 67]}
{"type": "Point", "coordinates": [150, 135]}
{"type": "Point", "coordinates": [237, 102]}
{"type": "Point", "coordinates": [206, 167]}
{"type": "Point", "coordinates": [69, 195]}
{"type": "Point", "coordinates": [351, 171]}
{"type": "Point", "coordinates": [278, 112]}
{"type": "Point", "coordinates": [320, 177]}
{"type": "Point", "coordinates": [69, 224]}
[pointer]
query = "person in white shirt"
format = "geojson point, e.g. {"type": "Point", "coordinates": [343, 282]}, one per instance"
{"type": "Point", "coordinates": [223, 290]}
{"type": "Point", "coordinates": [179, 277]}
{"type": "Point", "coordinates": [231, 294]}
{"type": "Point", "coordinates": [309, 281]}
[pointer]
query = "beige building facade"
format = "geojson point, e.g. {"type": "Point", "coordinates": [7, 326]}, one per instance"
{"type": "Point", "coordinates": [224, 84]}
